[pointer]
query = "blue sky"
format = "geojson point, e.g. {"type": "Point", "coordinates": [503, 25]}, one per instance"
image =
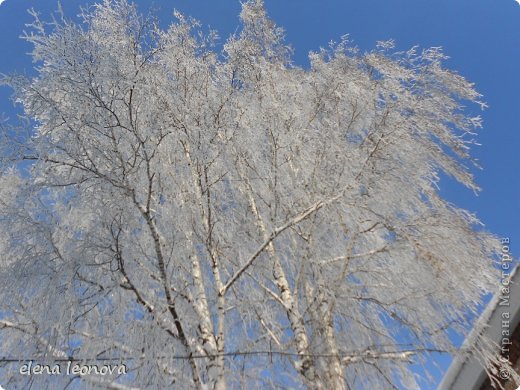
{"type": "Point", "coordinates": [482, 37]}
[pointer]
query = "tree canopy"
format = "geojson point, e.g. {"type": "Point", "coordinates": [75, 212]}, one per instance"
{"type": "Point", "coordinates": [217, 218]}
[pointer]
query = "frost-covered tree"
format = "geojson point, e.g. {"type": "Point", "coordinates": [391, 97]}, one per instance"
{"type": "Point", "coordinates": [219, 219]}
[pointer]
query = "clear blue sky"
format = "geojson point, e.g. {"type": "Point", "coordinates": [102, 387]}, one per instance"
{"type": "Point", "coordinates": [482, 37]}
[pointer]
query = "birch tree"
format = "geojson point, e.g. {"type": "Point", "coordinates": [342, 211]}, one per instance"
{"type": "Point", "coordinates": [218, 218]}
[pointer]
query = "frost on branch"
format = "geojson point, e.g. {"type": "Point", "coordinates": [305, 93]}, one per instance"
{"type": "Point", "coordinates": [217, 219]}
